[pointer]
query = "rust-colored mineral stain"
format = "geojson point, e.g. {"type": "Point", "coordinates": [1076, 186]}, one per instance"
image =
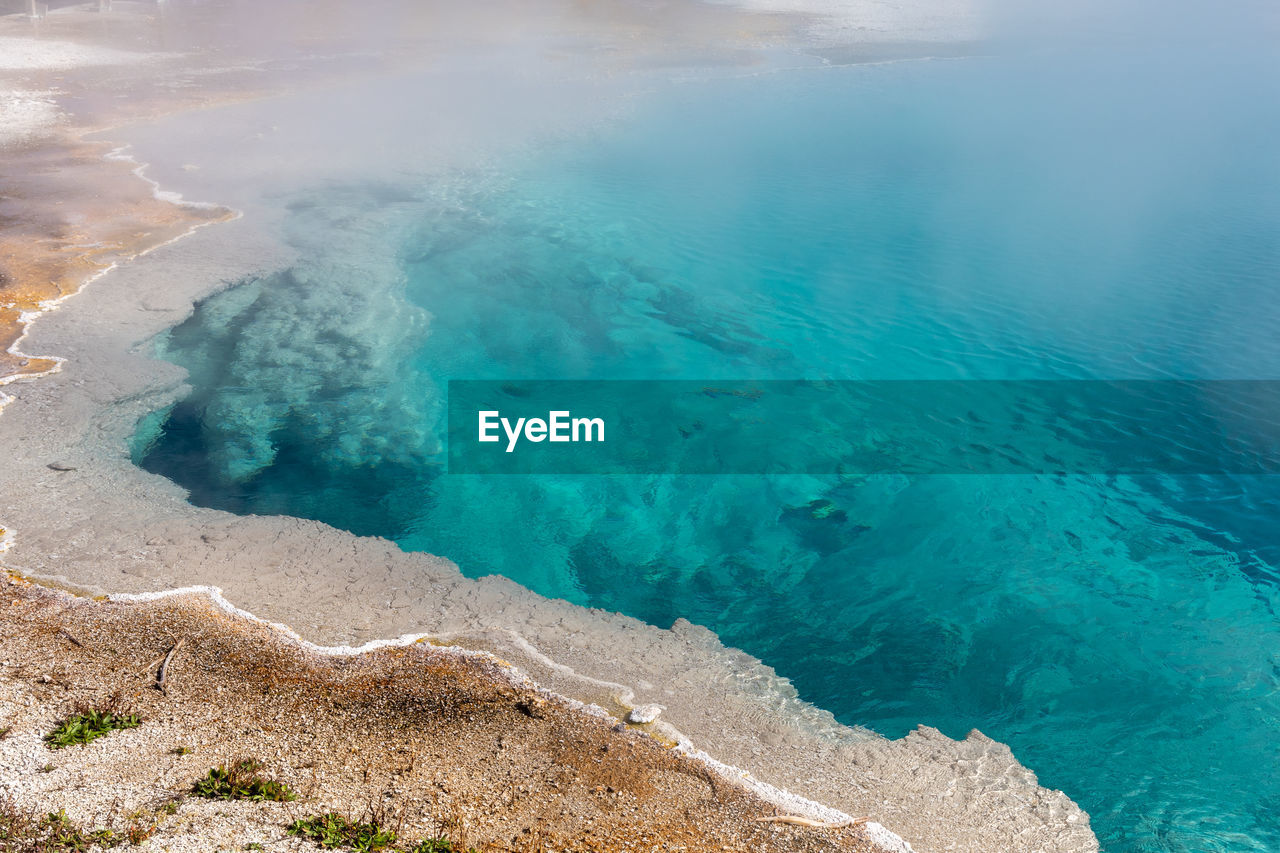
{"type": "Point", "coordinates": [81, 214]}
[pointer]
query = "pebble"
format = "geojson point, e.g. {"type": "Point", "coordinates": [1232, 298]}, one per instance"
{"type": "Point", "coordinates": [645, 713]}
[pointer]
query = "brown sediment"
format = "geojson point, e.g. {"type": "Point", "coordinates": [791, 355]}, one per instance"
{"type": "Point", "coordinates": [436, 741]}
{"type": "Point", "coordinates": [80, 214]}
{"type": "Point", "coordinates": [68, 211]}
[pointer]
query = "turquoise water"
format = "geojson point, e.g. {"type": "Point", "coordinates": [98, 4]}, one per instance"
{"type": "Point", "coordinates": [1056, 218]}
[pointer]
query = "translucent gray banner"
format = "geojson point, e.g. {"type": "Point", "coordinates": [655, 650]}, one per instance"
{"type": "Point", "coordinates": [864, 427]}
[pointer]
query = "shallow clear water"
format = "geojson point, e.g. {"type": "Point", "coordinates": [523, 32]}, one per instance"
{"type": "Point", "coordinates": [971, 219]}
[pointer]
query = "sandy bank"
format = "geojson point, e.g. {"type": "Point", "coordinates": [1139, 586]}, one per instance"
{"type": "Point", "coordinates": [432, 741]}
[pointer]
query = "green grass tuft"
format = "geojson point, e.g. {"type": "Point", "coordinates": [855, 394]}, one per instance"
{"type": "Point", "coordinates": [89, 725]}
{"type": "Point", "coordinates": [332, 831]}
{"type": "Point", "coordinates": [25, 832]}
{"type": "Point", "coordinates": [22, 832]}
{"type": "Point", "coordinates": [59, 833]}
{"type": "Point", "coordinates": [240, 780]}
{"type": "Point", "coordinates": [104, 838]}
{"type": "Point", "coordinates": [438, 845]}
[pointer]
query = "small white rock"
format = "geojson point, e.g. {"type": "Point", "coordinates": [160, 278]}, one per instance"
{"type": "Point", "coordinates": [645, 713]}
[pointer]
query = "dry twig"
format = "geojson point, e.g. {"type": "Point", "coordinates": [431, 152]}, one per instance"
{"type": "Point", "coordinates": [162, 675]}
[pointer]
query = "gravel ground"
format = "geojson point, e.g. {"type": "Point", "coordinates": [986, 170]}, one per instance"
{"type": "Point", "coordinates": [435, 740]}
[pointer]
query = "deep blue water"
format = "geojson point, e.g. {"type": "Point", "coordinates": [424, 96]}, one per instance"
{"type": "Point", "coordinates": [1061, 217]}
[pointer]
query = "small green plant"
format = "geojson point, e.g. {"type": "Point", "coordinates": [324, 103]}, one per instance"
{"type": "Point", "coordinates": [89, 724]}
{"type": "Point", "coordinates": [17, 829]}
{"type": "Point", "coordinates": [181, 750]}
{"type": "Point", "coordinates": [170, 807]}
{"type": "Point", "coordinates": [104, 838]}
{"type": "Point", "coordinates": [253, 845]}
{"type": "Point", "coordinates": [438, 845]}
{"type": "Point", "coordinates": [4, 731]}
{"type": "Point", "coordinates": [61, 834]}
{"type": "Point", "coordinates": [24, 832]}
{"type": "Point", "coordinates": [332, 830]}
{"type": "Point", "coordinates": [138, 833]}
{"type": "Point", "coordinates": [241, 780]}
{"type": "Point", "coordinates": [48, 768]}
